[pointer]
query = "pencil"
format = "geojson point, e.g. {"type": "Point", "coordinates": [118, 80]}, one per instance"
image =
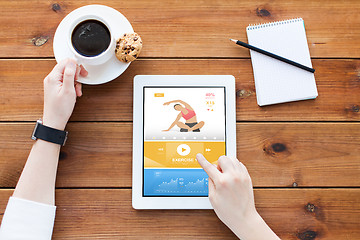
{"type": "Point", "coordinates": [273, 55]}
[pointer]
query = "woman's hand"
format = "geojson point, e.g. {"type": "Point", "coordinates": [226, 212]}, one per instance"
{"type": "Point", "coordinates": [231, 195]}
{"type": "Point", "coordinates": [60, 92]}
{"type": "Point", "coordinates": [167, 103]}
{"type": "Point", "coordinates": [230, 189]}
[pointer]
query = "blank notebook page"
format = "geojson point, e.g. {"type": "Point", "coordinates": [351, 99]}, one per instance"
{"type": "Point", "coordinates": [276, 81]}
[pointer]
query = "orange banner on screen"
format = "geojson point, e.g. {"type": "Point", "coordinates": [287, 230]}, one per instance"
{"type": "Point", "coordinates": [159, 94]}
{"type": "Point", "coordinates": [180, 154]}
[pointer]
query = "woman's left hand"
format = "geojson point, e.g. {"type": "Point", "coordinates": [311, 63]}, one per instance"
{"type": "Point", "coordinates": [60, 92]}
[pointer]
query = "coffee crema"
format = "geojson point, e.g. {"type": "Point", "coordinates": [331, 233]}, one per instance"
{"type": "Point", "coordinates": [90, 38]}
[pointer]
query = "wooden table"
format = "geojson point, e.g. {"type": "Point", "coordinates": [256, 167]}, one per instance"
{"type": "Point", "coordinates": [304, 157]}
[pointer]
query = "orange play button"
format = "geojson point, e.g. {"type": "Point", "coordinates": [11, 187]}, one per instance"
{"type": "Point", "coordinates": [183, 149]}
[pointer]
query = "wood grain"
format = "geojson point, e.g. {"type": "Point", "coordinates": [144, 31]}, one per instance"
{"type": "Point", "coordinates": [338, 83]}
{"type": "Point", "coordinates": [187, 28]}
{"type": "Point", "coordinates": [282, 145]}
{"type": "Point", "coordinates": [276, 154]}
{"type": "Point", "coordinates": [293, 214]}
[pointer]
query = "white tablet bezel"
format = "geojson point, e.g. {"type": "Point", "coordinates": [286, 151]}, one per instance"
{"type": "Point", "coordinates": [141, 81]}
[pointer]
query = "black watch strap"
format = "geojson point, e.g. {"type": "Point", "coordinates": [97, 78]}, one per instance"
{"type": "Point", "coordinates": [49, 134]}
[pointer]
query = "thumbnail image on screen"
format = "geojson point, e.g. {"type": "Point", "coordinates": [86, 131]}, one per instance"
{"type": "Point", "coordinates": [180, 122]}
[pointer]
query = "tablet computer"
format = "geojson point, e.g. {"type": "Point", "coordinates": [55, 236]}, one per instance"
{"type": "Point", "coordinates": [176, 117]}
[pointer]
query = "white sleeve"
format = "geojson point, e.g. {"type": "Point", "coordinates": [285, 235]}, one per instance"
{"type": "Point", "coordinates": [27, 220]}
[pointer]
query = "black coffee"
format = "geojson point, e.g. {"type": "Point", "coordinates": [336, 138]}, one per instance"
{"type": "Point", "coordinates": [90, 38]}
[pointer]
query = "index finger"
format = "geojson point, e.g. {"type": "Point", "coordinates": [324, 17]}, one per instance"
{"type": "Point", "coordinates": [210, 169]}
{"type": "Point", "coordinates": [83, 71]}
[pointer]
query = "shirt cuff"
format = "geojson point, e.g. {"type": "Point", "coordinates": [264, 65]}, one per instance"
{"type": "Point", "coordinates": [25, 219]}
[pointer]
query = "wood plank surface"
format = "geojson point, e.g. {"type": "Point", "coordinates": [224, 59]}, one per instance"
{"type": "Point", "coordinates": [276, 154]}
{"type": "Point", "coordinates": [303, 157]}
{"type": "Point", "coordinates": [303, 214]}
{"type": "Point", "coordinates": [187, 28]}
{"type": "Point", "coordinates": [338, 83]}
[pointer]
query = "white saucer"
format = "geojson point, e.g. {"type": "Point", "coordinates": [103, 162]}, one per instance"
{"type": "Point", "coordinates": [119, 25]}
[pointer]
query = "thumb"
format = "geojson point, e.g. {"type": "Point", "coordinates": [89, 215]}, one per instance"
{"type": "Point", "coordinates": [69, 75]}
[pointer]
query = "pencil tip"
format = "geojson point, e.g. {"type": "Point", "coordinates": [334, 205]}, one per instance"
{"type": "Point", "coordinates": [233, 40]}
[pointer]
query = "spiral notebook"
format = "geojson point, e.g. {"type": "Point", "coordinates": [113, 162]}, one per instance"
{"type": "Point", "coordinates": [276, 81]}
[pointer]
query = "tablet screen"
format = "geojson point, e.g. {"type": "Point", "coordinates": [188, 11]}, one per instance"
{"type": "Point", "coordinates": [180, 122]}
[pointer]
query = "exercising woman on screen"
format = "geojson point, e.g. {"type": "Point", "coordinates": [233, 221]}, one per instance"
{"type": "Point", "coordinates": [188, 113]}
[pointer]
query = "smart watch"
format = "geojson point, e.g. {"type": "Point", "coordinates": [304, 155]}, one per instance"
{"type": "Point", "coordinates": [49, 134]}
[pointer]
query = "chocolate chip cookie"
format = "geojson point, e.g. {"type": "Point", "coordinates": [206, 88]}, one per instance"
{"type": "Point", "coordinates": [128, 47]}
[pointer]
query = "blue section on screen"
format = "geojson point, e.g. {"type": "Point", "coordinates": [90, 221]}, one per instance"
{"type": "Point", "coordinates": [175, 182]}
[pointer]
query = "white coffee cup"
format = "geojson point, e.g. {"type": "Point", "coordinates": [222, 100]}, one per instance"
{"type": "Point", "coordinates": [91, 60]}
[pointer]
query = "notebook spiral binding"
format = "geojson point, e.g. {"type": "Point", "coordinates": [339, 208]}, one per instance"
{"type": "Point", "coordinates": [270, 24]}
